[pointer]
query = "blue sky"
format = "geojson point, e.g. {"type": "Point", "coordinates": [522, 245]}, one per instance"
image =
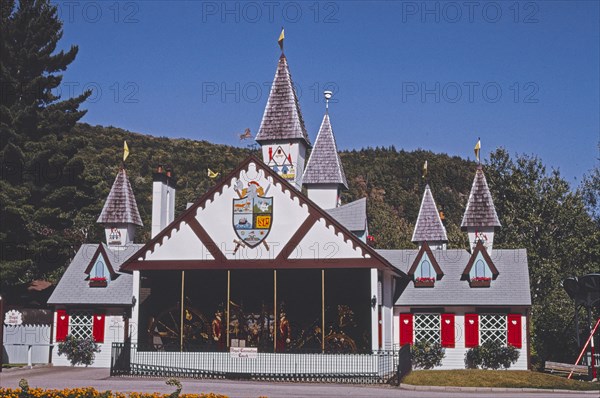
{"type": "Point", "coordinates": [433, 75]}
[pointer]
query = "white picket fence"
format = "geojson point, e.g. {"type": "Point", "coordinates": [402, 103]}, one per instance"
{"type": "Point", "coordinates": [27, 344]}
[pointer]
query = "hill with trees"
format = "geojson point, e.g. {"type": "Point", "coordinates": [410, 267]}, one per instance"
{"type": "Point", "coordinates": [56, 174]}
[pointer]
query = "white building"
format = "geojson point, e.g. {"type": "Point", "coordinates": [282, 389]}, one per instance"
{"type": "Point", "coordinates": [256, 263]}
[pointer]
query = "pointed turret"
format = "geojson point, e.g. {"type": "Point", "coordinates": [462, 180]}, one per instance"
{"type": "Point", "coordinates": [282, 133]}
{"type": "Point", "coordinates": [324, 176]}
{"type": "Point", "coordinates": [480, 218]}
{"type": "Point", "coordinates": [429, 227]}
{"type": "Point", "coordinates": [120, 213]}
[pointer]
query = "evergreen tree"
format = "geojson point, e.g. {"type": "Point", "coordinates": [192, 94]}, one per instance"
{"type": "Point", "coordinates": [40, 169]}
{"type": "Point", "coordinates": [540, 212]}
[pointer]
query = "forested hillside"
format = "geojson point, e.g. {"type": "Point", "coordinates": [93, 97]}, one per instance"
{"type": "Point", "coordinates": [56, 173]}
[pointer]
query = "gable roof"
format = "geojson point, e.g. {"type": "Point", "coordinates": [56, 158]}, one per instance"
{"type": "Point", "coordinates": [511, 288]}
{"type": "Point", "coordinates": [120, 206]}
{"type": "Point", "coordinates": [282, 119]}
{"type": "Point", "coordinates": [429, 225]}
{"type": "Point", "coordinates": [425, 249]}
{"type": "Point", "coordinates": [73, 288]}
{"type": "Point", "coordinates": [353, 215]}
{"type": "Point", "coordinates": [324, 165]}
{"type": "Point", "coordinates": [480, 248]}
{"type": "Point", "coordinates": [480, 211]}
{"type": "Point", "coordinates": [101, 252]}
{"type": "Point", "coordinates": [369, 259]}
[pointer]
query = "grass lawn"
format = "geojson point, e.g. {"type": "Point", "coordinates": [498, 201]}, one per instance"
{"type": "Point", "coordinates": [495, 378]}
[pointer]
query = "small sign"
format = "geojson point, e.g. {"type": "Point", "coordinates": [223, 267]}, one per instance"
{"type": "Point", "coordinates": [243, 352]}
{"type": "Point", "coordinates": [13, 318]}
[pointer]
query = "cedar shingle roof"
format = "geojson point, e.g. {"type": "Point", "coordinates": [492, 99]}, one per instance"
{"type": "Point", "coordinates": [324, 165]}
{"type": "Point", "coordinates": [120, 206]}
{"type": "Point", "coordinates": [480, 211]}
{"type": "Point", "coordinates": [429, 227]}
{"type": "Point", "coordinates": [282, 118]}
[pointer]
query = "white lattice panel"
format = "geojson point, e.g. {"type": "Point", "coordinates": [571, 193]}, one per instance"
{"type": "Point", "coordinates": [427, 327]}
{"type": "Point", "coordinates": [492, 327]}
{"type": "Point", "coordinates": [80, 324]}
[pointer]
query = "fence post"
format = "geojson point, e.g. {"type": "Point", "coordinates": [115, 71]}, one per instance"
{"type": "Point", "coordinates": [404, 363]}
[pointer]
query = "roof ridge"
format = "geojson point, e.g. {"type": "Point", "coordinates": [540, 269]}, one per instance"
{"type": "Point", "coordinates": [324, 165]}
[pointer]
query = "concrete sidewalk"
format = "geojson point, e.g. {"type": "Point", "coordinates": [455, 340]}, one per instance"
{"type": "Point", "coordinates": [99, 378]}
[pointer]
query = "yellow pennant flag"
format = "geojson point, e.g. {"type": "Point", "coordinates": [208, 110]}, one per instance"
{"type": "Point", "coordinates": [125, 150]}
{"type": "Point", "coordinates": [212, 174]}
{"type": "Point", "coordinates": [477, 148]}
{"type": "Point", "coordinates": [425, 169]}
{"type": "Point", "coordinates": [281, 37]}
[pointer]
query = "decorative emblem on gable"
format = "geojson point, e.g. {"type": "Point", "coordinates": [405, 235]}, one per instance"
{"type": "Point", "coordinates": [281, 163]}
{"type": "Point", "coordinates": [252, 213]}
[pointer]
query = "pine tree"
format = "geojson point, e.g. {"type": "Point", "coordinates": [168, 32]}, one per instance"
{"type": "Point", "coordinates": [40, 169]}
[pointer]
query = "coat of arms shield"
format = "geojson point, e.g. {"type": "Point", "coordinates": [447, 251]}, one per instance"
{"type": "Point", "coordinates": [252, 214]}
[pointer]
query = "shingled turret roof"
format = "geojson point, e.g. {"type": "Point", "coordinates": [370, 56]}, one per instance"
{"type": "Point", "coordinates": [120, 206]}
{"type": "Point", "coordinates": [480, 210]}
{"type": "Point", "coordinates": [324, 165]}
{"type": "Point", "coordinates": [282, 119]}
{"type": "Point", "coordinates": [429, 227]}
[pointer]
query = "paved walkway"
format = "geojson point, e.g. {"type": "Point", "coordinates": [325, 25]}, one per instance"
{"type": "Point", "coordinates": [67, 377]}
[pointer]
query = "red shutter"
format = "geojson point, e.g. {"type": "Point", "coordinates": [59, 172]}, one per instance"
{"type": "Point", "coordinates": [514, 330]}
{"type": "Point", "coordinates": [406, 329]}
{"type": "Point", "coordinates": [98, 328]}
{"type": "Point", "coordinates": [448, 330]}
{"type": "Point", "coordinates": [62, 325]}
{"type": "Point", "coordinates": [471, 330]}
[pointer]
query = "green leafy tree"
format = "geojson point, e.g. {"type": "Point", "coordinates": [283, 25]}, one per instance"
{"type": "Point", "coordinates": [540, 212]}
{"type": "Point", "coordinates": [40, 166]}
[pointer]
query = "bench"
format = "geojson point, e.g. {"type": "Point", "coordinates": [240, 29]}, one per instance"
{"type": "Point", "coordinates": [557, 367]}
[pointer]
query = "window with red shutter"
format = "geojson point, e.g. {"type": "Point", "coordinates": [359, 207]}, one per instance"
{"type": "Point", "coordinates": [62, 325]}
{"type": "Point", "coordinates": [406, 329]}
{"type": "Point", "coordinates": [98, 328]}
{"type": "Point", "coordinates": [471, 330]}
{"type": "Point", "coordinates": [513, 326]}
{"type": "Point", "coordinates": [448, 331]}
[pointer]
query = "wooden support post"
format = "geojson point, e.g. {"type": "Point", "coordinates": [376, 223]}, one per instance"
{"type": "Point", "coordinates": [228, 300]}
{"type": "Point", "coordinates": [182, 305]}
{"type": "Point", "coordinates": [275, 310]}
{"type": "Point", "coordinates": [322, 310]}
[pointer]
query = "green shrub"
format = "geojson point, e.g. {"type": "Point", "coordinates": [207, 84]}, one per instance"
{"type": "Point", "coordinates": [427, 355]}
{"type": "Point", "coordinates": [78, 351]}
{"type": "Point", "coordinates": [491, 355]}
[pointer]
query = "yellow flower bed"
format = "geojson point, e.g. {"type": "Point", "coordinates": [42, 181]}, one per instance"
{"type": "Point", "coordinates": [89, 393]}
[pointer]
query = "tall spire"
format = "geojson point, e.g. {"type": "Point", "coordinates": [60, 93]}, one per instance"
{"type": "Point", "coordinates": [120, 213]}
{"type": "Point", "coordinates": [429, 227]}
{"type": "Point", "coordinates": [324, 165]}
{"type": "Point", "coordinates": [282, 119]}
{"type": "Point", "coordinates": [480, 216]}
{"type": "Point", "coordinates": [324, 176]}
{"type": "Point", "coordinates": [282, 134]}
